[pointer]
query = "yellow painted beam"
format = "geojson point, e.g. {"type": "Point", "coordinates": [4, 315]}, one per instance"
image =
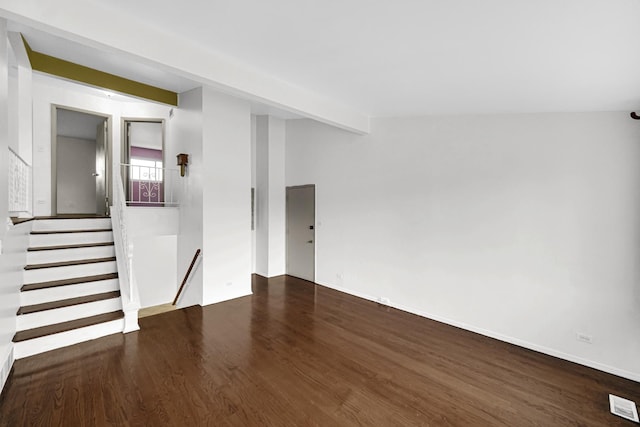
{"type": "Point", "coordinates": [69, 70]}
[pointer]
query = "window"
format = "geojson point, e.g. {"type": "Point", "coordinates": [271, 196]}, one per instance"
{"type": "Point", "coordinates": [146, 170]}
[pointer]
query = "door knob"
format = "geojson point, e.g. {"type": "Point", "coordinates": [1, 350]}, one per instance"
{"type": "Point", "coordinates": [95, 174]}
{"type": "Point", "coordinates": [309, 241]}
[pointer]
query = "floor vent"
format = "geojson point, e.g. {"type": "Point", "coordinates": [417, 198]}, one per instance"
{"type": "Point", "coordinates": [623, 408]}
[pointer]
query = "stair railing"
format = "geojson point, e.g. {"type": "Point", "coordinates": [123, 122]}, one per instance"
{"type": "Point", "coordinates": [124, 258]}
{"type": "Point", "coordinates": [186, 276]}
{"type": "Point", "coordinates": [150, 186]}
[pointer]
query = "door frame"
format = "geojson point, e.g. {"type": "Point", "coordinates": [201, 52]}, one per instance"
{"type": "Point", "coordinates": [125, 148]}
{"type": "Point", "coordinates": [315, 226]}
{"type": "Point", "coordinates": [54, 153]}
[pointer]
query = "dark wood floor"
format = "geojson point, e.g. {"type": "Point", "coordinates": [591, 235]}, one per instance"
{"type": "Point", "coordinates": [295, 354]}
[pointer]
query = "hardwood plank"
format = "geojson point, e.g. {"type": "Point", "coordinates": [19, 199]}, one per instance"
{"type": "Point", "coordinates": [67, 302]}
{"type": "Point", "coordinates": [75, 246]}
{"type": "Point", "coordinates": [66, 326]}
{"type": "Point", "coordinates": [68, 263]}
{"type": "Point", "coordinates": [64, 282]}
{"type": "Point", "coordinates": [295, 353]}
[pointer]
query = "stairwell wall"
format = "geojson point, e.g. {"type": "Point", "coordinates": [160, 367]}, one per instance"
{"type": "Point", "coordinates": [186, 137]}
{"type": "Point", "coordinates": [154, 232]}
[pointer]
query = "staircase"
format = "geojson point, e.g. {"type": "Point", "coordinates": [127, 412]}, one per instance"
{"type": "Point", "coordinates": [71, 291]}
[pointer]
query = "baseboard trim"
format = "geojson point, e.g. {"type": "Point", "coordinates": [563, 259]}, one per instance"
{"type": "Point", "coordinates": [7, 365]}
{"type": "Point", "coordinates": [268, 277]}
{"type": "Point", "coordinates": [240, 295]}
{"type": "Point", "coordinates": [634, 376]}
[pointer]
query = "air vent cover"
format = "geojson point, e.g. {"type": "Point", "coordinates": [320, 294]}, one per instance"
{"type": "Point", "coordinates": [623, 408]}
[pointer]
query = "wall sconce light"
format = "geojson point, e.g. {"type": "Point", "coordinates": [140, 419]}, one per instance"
{"type": "Point", "coordinates": [183, 161]}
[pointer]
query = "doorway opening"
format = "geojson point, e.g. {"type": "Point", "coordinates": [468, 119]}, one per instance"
{"type": "Point", "coordinates": [79, 159]}
{"type": "Point", "coordinates": [301, 222]}
{"type": "Point", "coordinates": [143, 172]}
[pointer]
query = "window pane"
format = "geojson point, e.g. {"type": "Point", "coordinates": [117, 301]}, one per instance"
{"type": "Point", "coordinates": [146, 170]}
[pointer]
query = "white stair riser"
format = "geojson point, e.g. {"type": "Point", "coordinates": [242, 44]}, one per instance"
{"type": "Point", "coordinates": [58, 293]}
{"type": "Point", "coordinates": [64, 339]}
{"type": "Point", "coordinates": [37, 240]}
{"type": "Point", "coordinates": [61, 255]}
{"type": "Point", "coordinates": [65, 314]}
{"type": "Point", "coordinates": [71, 224]}
{"type": "Point", "coordinates": [69, 272]}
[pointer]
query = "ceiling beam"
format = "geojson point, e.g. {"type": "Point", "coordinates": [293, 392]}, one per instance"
{"type": "Point", "coordinates": [76, 72]}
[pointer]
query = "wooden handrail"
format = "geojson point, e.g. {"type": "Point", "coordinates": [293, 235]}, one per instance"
{"type": "Point", "coordinates": [186, 276]}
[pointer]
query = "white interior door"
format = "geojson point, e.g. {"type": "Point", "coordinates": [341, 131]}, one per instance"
{"type": "Point", "coordinates": [101, 169]}
{"type": "Point", "coordinates": [301, 221]}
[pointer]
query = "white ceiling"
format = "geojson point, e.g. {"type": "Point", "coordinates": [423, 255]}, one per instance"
{"type": "Point", "coordinates": [406, 57]}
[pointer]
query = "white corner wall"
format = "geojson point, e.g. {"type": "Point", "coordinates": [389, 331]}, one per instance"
{"type": "Point", "coordinates": [270, 196]}
{"type": "Point", "coordinates": [186, 137]}
{"type": "Point", "coordinates": [226, 197]}
{"type": "Point", "coordinates": [520, 227]}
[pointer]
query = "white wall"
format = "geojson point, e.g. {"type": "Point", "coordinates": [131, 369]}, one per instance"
{"type": "Point", "coordinates": [277, 195]}
{"type": "Point", "coordinates": [155, 269]}
{"type": "Point", "coordinates": [226, 197]}
{"type": "Point", "coordinates": [186, 137]}
{"type": "Point", "coordinates": [520, 227]}
{"type": "Point", "coordinates": [4, 126]}
{"type": "Point", "coordinates": [25, 113]}
{"type": "Point", "coordinates": [10, 275]}
{"type": "Point", "coordinates": [154, 233]}
{"type": "Point", "coordinates": [12, 262]}
{"type": "Point", "coordinates": [76, 161]}
{"type": "Point", "coordinates": [254, 186]}
{"type": "Point", "coordinates": [152, 221]}
{"type": "Point", "coordinates": [270, 196]}
{"type": "Point", "coordinates": [13, 102]}
{"type": "Point", "coordinates": [20, 94]}
{"type": "Point", "coordinates": [261, 218]}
